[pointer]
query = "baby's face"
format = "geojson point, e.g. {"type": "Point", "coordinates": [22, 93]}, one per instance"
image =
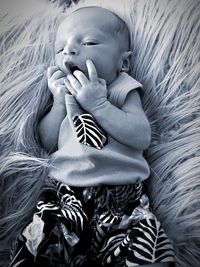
{"type": "Point", "coordinates": [82, 36]}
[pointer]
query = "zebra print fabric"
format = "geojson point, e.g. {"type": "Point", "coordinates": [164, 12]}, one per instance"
{"type": "Point", "coordinates": [89, 132]}
{"type": "Point", "coordinates": [145, 244]}
{"type": "Point", "coordinates": [100, 226]}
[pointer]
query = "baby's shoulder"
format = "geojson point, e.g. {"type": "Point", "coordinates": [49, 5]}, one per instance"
{"type": "Point", "coordinates": [122, 88]}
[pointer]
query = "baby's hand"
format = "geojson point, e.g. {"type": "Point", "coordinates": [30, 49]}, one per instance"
{"type": "Point", "coordinates": [56, 84]}
{"type": "Point", "coordinates": [90, 93]}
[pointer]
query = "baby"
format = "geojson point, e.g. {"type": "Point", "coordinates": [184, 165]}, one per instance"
{"type": "Point", "coordinates": [97, 131]}
{"type": "Point", "coordinates": [92, 58]}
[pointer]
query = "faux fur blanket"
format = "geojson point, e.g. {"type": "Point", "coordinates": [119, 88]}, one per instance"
{"type": "Point", "coordinates": [166, 44]}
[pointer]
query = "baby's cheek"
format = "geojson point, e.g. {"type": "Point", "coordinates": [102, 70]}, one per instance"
{"type": "Point", "coordinates": [58, 62]}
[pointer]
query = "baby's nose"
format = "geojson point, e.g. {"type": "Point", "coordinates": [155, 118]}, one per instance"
{"type": "Point", "coordinates": [71, 50]}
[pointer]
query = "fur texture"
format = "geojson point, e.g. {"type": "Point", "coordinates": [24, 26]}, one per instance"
{"type": "Point", "coordinates": [166, 44]}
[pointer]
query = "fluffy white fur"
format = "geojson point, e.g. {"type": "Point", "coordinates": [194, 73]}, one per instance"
{"type": "Point", "coordinates": [166, 44]}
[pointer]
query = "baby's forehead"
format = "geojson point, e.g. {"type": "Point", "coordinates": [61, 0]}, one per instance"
{"type": "Point", "coordinates": [92, 16]}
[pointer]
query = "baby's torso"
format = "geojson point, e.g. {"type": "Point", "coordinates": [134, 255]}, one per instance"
{"type": "Point", "coordinates": [89, 157]}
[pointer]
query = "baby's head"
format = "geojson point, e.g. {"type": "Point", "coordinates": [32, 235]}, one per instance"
{"type": "Point", "coordinates": [93, 33]}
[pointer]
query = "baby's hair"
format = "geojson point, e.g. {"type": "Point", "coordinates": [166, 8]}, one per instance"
{"type": "Point", "coordinates": [122, 31]}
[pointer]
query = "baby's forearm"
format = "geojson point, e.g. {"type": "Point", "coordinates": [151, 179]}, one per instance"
{"type": "Point", "coordinates": [49, 126]}
{"type": "Point", "coordinates": [128, 128]}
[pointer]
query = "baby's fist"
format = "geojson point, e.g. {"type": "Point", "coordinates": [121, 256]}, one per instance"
{"type": "Point", "coordinates": [56, 84]}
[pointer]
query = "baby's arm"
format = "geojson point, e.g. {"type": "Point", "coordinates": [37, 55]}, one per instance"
{"type": "Point", "coordinates": [128, 125]}
{"type": "Point", "coordinates": [49, 126]}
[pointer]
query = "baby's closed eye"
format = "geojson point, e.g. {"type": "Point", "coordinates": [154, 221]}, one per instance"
{"type": "Point", "coordinates": [90, 43]}
{"type": "Point", "coordinates": [59, 50]}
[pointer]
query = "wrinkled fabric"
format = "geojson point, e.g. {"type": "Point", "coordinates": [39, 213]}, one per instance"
{"type": "Point", "coordinates": [95, 226]}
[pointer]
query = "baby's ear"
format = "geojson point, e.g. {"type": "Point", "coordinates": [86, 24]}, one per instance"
{"type": "Point", "coordinates": [125, 60]}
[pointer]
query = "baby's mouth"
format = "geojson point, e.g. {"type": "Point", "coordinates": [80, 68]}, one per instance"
{"type": "Point", "coordinates": [73, 68]}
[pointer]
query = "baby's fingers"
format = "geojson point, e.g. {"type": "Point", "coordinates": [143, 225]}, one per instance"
{"type": "Point", "coordinates": [92, 73]}
{"type": "Point", "coordinates": [51, 70]}
{"type": "Point", "coordinates": [61, 90]}
{"type": "Point", "coordinates": [102, 81]}
{"type": "Point", "coordinates": [54, 73]}
{"type": "Point", "coordinates": [70, 88]}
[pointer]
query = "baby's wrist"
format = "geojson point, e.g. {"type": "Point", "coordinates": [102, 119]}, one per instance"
{"type": "Point", "coordinates": [58, 103]}
{"type": "Point", "coordinates": [99, 109]}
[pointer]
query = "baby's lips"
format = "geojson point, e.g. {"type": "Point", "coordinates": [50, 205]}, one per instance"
{"type": "Point", "coordinates": [69, 67]}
